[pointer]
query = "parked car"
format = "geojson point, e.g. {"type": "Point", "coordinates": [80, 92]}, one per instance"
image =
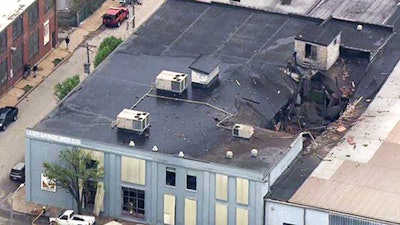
{"type": "Point", "coordinates": [69, 218]}
{"type": "Point", "coordinates": [17, 172]}
{"type": "Point", "coordinates": [115, 16]}
{"type": "Point", "coordinates": [8, 114]}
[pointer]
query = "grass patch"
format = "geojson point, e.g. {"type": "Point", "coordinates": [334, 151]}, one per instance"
{"type": "Point", "coordinates": [57, 61]}
{"type": "Point", "coordinates": [27, 88]}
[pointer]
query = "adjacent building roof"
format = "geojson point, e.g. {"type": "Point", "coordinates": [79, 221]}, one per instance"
{"type": "Point", "coordinates": [205, 64]}
{"type": "Point", "coordinates": [361, 179]}
{"type": "Point", "coordinates": [318, 35]}
{"type": "Point", "coordinates": [251, 88]}
{"type": "Point", "coordinates": [11, 10]}
{"type": "Point", "coordinates": [357, 179]}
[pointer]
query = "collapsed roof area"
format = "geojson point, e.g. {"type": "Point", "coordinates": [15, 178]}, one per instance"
{"type": "Point", "coordinates": [252, 50]}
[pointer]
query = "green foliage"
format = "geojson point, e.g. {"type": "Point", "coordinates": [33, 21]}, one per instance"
{"type": "Point", "coordinates": [72, 172]}
{"type": "Point", "coordinates": [56, 61]}
{"type": "Point", "coordinates": [27, 88]}
{"type": "Point", "coordinates": [62, 89]}
{"type": "Point", "coordinates": [106, 47]}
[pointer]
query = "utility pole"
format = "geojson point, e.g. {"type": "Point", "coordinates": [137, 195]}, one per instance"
{"type": "Point", "coordinates": [86, 66]}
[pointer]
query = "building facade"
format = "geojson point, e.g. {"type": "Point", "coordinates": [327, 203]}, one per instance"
{"type": "Point", "coordinates": [26, 35]}
{"type": "Point", "coordinates": [155, 188]}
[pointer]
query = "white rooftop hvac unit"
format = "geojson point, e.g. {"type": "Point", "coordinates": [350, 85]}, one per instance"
{"type": "Point", "coordinates": [242, 131]}
{"type": "Point", "coordinates": [172, 81]}
{"type": "Point", "coordinates": [133, 120]}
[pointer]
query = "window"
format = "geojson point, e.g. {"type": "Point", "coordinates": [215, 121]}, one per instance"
{"type": "Point", "coordinates": [3, 72]}
{"type": "Point", "coordinates": [221, 183]}
{"type": "Point", "coordinates": [18, 28]}
{"type": "Point", "coordinates": [48, 4]}
{"type": "Point", "coordinates": [33, 13]}
{"type": "Point", "coordinates": [46, 32]}
{"type": "Point", "coordinates": [242, 216]}
{"type": "Point", "coordinates": [221, 214]}
{"type": "Point", "coordinates": [170, 176]}
{"type": "Point", "coordinates": [311, 52]}
{"type": "Point", "coordinates": [190, 211]}
{"type": "Point", "coordinates": [91, 164]}
{"type": "Point", "coordinates": [17, 59]}
{"type": "Point", "coordinates": [133, 170]}
{"type": "Point", "coordinates": [3, 41]}
{"type": "Point", "coordinates": [191, 182]}
{"type": "Point", "coordinates": [242, 191]}
{"type": "Point", "coordinates": [133, 202]}
{"type": "Point", "coordinates": [33, 44]}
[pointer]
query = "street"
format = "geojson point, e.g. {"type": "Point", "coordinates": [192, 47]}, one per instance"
{"type": "Point", "coordinates": [37, 105]}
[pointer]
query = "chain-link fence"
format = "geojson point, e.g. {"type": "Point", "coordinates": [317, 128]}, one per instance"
{"type": "Point", "coordinates": [87, 9]}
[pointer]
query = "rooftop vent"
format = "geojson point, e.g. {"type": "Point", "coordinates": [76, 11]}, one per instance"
{"type": "Point", "coordinates": [172, 81]}
{"type": "Point", "coordinates": [229, 154]}
{"type": "Point", "coordinates": [131, 143]}
{"type": "Point", "coordinates": [155, 148]}
{"type": "Point", "coordinates": [254, 152]}
{"type": "Point", "coordinates": [242, 131]}
{"type": "Point", "coordinates": [359, 27]}
{"type": "Point", "coordinates": [181, 155]}
{"type": "Point", "coordinates": [205, 71]}
{"type": "Point", "coordinates": [133, 120]}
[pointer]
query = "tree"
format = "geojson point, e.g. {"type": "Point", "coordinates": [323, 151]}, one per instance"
{"type": "Point", "coordinates": [74, 171]}
{"type": "Point", "coordinates": [62, 89]}
{"type": "Point", "coordinates": [106, 47]}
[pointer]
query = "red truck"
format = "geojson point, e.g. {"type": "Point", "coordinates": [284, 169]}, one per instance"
{"type": "Point", "coordinates": [115, 16]}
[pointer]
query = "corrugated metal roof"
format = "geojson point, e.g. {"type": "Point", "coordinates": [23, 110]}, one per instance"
{"type": "Point", "coordinates": [363, 180]}
{"type": "Point", "coordinates": [11, 10]}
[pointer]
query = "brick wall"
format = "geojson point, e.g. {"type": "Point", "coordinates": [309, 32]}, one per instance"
{"type": "Point", "coordinates": [23, 41]}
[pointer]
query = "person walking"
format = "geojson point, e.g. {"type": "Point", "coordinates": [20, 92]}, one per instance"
{"type": "Point", "coordinates": [67, 40]}
{"type": "Point", "coordinates": [34, 69]}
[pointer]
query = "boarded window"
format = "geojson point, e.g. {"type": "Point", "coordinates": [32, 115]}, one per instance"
{"type": "Point", "coordinates": [242, 216]}
{"type": "Point", "coordinates": [48, 4]}
{"type": "Point", "coordinates": [133, 170]}
{"type": "Point", "coordinates": [17, 58]}
{"type": "Point", "coordinates": [18, 28]}
{"type": "Point", "coordinates": [46, 32]}
{"type": "Point", "coordinates": [221, 214]}
{"type": "Point", "coordinates": [190, 211]}
{"type": "Point", "coordinates": [133, 201]}
{"type": "Point", "coordinates": [169, 209]}
{"type": "Point", "coordinates": [242, 191]}
{"type": "Point", "coordinates": [3, 73]}
{"type": "Point", "coordinates": [311, 51]}
{"type": "Point", "coordinates": [33, 13]}
{"type": "Point", "coordinates": [3, 41]}
{"type": "Point", "coordinates": [33, 43]}
{"type": "Point", "coordinates": [221, 182]}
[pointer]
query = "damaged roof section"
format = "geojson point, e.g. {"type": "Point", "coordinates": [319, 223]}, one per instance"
{"type": "Point", "coordinates": [11, 10]}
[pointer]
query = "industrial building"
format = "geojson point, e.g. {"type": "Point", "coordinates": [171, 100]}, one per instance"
{"type": "Point", "coordinates": [178, 119]}
{"type": "Point", "coordinates": [28, 31]}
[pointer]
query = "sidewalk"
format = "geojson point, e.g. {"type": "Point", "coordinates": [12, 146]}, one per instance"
{"type": "Point", "coordinates": [16, 95]}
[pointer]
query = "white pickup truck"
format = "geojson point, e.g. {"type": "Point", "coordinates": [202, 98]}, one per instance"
{"type": "Point", "coordinates": [69, 218]}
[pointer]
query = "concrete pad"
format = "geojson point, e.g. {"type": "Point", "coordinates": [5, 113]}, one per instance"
{"type": "Point", "coordinates": [9, 100]}
{"type": "Point", "coordinates": [22, 83]}
{"type": "Point", "coordinates": [17, 92]}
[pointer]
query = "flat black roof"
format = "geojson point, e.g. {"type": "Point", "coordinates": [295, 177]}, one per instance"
{"type": "Point", "coordinates": [318, 35]}
{"type": "Point", "coordinates": [253, 48]}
